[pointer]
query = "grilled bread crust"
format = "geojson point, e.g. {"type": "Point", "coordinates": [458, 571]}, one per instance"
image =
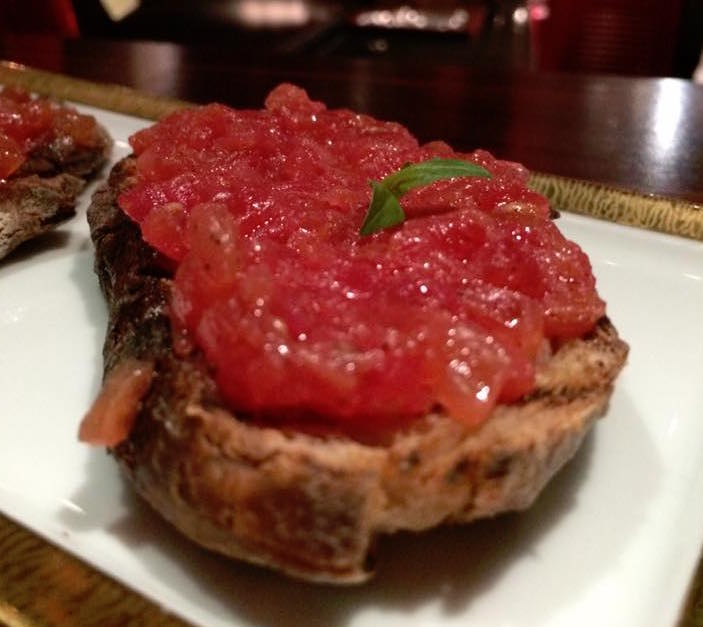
{"type": "Point", "coordinates": [42, 194]}
{"type": "Point", "coordinates": [312, 505]}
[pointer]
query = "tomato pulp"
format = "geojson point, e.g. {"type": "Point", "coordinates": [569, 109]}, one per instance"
{"type": "Point", "coordinates": [27, 123]}
{"type": "Point", "coordinates": [300, 316]}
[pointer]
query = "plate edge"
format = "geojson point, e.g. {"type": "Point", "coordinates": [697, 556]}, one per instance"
{"type": "Point", "coordinates": [629, 207]}
{"type": "Point", "coordinates": [43, 585]}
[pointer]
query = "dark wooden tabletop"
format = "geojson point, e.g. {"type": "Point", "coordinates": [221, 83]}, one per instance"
{"type": "Point", "coordinates": [645, 134]}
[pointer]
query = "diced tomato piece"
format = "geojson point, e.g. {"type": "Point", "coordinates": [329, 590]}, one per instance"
{"type": "Point", "coordinates": [11, 156]}
{"type": "Point", "coordinates": [110, 419]}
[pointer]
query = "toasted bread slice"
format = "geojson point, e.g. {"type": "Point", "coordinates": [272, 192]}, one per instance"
{"type": "Point", "coordinates": [307, 504]}
{"type": "Point", "coordinates": [42, 193]}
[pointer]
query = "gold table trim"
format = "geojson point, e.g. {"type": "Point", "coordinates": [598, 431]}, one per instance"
{"type": "Point", "coordinates": [43, 586]}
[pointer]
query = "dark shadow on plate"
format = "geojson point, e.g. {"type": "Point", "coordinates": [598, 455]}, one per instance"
{"type": "Point", "coordinates": [451, 566]}
{"type": "Point", "coordinates": [47, 242]}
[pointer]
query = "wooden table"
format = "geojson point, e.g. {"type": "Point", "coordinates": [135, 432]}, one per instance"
{"type": "Point", "coordinates": [645, 134]}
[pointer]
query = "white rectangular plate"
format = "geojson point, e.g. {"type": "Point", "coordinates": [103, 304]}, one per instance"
{"type": "Point", "coordinates": [612, 541]}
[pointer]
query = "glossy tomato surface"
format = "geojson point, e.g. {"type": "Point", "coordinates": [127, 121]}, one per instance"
{"type": "Point", "coordinates": [300, 315]}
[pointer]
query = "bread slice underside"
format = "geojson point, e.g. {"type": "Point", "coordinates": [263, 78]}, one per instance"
{"type": "Point", "coordinates": [313, 505]}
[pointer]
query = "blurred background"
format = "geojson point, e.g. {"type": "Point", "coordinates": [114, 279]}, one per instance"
{"type": "Point", "coordinates": [625, 37]}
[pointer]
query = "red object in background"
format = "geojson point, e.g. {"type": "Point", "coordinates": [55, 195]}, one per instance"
{"type": "Point", "coordinates": [38, 16]}
{"type": "Point", "coordinates": [619, 36]}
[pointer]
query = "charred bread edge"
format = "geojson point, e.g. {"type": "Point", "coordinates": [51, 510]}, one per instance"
{"type": "Point", "coordinates": [313, 506]}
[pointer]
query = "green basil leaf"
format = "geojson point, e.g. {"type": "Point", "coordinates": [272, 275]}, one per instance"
{"type": "Point", "coordinates": [420, 174]}
{"type": "Point", "coordinates": [385, 211]}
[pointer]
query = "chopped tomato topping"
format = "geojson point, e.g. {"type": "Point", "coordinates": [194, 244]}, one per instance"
{"type": "Point", "coordinates": [27, 123]}
{"type": "Point", "coordinates": [300, 316]}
